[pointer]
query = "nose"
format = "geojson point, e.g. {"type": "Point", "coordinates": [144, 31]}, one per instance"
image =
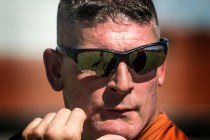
{"type": "Point", "coordinates": [121, 81]}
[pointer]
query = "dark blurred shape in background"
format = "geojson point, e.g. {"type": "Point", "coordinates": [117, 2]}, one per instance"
{"type": "Point", "coordinates": [28, 27]}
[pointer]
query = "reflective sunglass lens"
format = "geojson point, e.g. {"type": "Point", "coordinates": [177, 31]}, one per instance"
{"type": "Point", "coordinates": [94, 62]}
{"type": "Point", "coordinates": [151, 60]}
{"type": "Point", "coordinates": [103, 63]}
{"type": "Point", "coordinates": [138, 59]}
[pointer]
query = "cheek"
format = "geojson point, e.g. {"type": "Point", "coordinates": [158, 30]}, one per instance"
{"type": "Point", "coordinates": [147, 96]}
{"type": "Point", "coordinates": [73, 93]}
{"type": "Point", "coordinates": [80, 89]}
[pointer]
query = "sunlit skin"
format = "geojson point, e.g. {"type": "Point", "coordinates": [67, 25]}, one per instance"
{"type": "Point", "coordinates": [117, 107]}
{"type": "Point", "coordinates": [123, 103]}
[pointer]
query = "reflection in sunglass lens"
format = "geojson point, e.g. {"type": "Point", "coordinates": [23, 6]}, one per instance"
{"type": "Point", "coordinates": [111, 65]}
{"type": "Point", "coordinates": [94, 62]}
{"type": "Point", "coordinates": [102, 62]}
{"type": "Point", "coordinates": [138, 60]}
{"type": "Point", "coordinates": [151, 58]}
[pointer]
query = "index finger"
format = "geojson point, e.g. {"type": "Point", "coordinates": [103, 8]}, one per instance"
{"type": "Point", "coordinates": [76, 119]}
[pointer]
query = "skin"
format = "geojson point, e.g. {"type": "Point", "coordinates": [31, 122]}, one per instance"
{"type": "Point", "coordinates": [116, 107]}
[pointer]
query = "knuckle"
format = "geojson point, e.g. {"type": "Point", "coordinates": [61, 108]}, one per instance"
{"type": "Point", "coordinates": [64, 110]}
{"type": "Point", "coordinates": [29, 129]}
{"type": "Point", "coordinates": [35, 122]}
{"type": "Point", "coordinates": [50, 114]}
{"type": "Point", "coordinates": [78, 111]}
{"type": "Point", "coordinates": [52, 132]}
{"type": "Point", "coordinates": [25, 134]}
{"type": "Point", "coordinates": [37, 119]}
{"type": "Point", "coordinates": [72, 135]}
{"type": "Point", "coordinates": [37, 131]}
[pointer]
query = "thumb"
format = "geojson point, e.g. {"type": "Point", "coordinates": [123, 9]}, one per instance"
{"type": "Point", "coordinates": [111, 137]}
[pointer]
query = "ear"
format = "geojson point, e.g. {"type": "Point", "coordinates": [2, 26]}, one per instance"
{"type": "Point", "coordinates": [53, 63]}
{"type": "Point", "coordinates": [161, 74]}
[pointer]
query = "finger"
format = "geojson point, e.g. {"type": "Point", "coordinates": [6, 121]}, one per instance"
{"type": "Point", "coordinates": [29, 129]}
{"type": "Point", "coordinates": [74, 125]}
{"type": "Point", "coordinates": [76, 119]}
{"type": "Point", "coordinates": [54, 130]}
{"type": "Point", "coordinates": [66, 125]}
{"type": "Point", "coordinates": [111, 137]}
{"type": "Point", "coordinates": [61, 117]}
{"type": "Point", "coordinates": [39, 130]}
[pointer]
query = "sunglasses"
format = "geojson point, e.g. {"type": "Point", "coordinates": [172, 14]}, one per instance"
{"type": "Point", "coordinates": [103, 62]}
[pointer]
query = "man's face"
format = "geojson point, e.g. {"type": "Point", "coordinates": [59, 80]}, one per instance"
{"type": "Point", "coordinates": [124, 102]}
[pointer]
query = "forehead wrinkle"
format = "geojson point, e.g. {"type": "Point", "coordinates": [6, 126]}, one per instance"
{"type": "Point", "coordinates": [108, 41]}
{"type": "Point", "coordinates": [110, 35]}
{"type": "Point", "coordinates": [107, 36]}
{"type": "Point", "coordinates": [118, 28]}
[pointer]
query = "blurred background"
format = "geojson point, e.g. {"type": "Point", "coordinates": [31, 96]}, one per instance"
{"type": "Point", "coordinates": [28, 27]}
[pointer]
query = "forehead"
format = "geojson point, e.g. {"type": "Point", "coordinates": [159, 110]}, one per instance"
{"type": "Point", "coordinates": [102, 35]}
{"type": "Point", "coordinates": [124, 31]}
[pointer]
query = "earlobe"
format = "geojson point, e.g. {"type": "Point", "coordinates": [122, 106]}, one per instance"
{"type": "Point", "coordinates": [53, 63]}
{"type": "Point", "coordinates": [161, 74]}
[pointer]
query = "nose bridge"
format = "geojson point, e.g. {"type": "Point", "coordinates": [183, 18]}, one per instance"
{"type": "Point", "coordinates": [125, 59]}
{"type": "Point", "coordinates": [122, 78]}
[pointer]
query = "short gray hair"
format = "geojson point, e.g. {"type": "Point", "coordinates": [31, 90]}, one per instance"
{"type": "Point", "coordinates": [92, 12]}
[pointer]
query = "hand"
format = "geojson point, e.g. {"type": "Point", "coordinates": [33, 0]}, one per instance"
{"type": "Point", "coordinates": [64, 124]}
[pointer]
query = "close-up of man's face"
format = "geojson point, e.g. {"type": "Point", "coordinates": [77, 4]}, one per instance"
{"type": "Point", "coordinates": [123, 102]}
{"type": "Point", "coordinates": [95, 70]}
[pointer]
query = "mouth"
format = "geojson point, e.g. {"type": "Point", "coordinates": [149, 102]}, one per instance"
{"type": "Point", "coordinates": [120, 111]}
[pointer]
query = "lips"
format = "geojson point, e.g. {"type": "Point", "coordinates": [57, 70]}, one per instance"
{"type": "Point", "coordinates": [120, 111]}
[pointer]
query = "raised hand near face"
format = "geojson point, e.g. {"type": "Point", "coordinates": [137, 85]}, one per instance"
{"type": "Point", "coordinates": [63, 125]}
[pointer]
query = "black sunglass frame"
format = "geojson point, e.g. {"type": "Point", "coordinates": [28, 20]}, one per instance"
{"type": "Point", "coordinates": [72, 52]}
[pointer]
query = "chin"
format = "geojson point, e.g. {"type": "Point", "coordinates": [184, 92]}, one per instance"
{"type": "Point", "coordinates": [118, 127]}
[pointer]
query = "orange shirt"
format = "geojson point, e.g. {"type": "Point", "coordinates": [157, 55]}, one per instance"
{"type": "Point", "coordinates": [162, 129]}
